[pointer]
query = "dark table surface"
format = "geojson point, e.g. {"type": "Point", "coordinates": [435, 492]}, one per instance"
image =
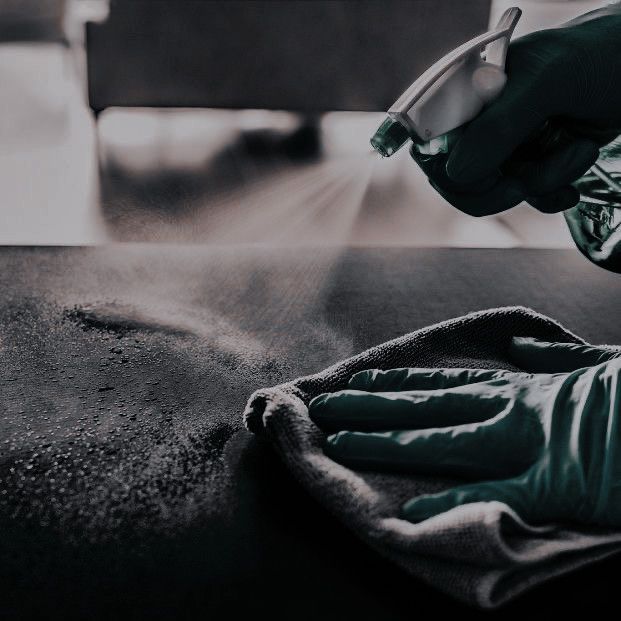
{"type": "Point", "coordinates": [128, 486]}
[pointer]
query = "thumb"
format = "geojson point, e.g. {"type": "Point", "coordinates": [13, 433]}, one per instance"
{"type": "Point", "coordinates": [512, 492]}
{"type": "Point", "coordinates": [536, 356]}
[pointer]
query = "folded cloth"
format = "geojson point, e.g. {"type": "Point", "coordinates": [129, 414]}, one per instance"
{"type": "Point", "coordinates": [481, 553]}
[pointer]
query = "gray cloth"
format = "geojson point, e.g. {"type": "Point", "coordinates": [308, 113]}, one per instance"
{"type": "Point", "coordinates": [481, 553]}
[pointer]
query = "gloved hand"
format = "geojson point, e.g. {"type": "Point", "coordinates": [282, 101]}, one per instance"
{"type": "Point", "coordinates": [547, 441]}
{"type": "Point", "coordinates": [569, 77]}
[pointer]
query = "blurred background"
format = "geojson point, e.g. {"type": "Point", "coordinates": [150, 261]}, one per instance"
{"type": "Point", "coordinates": [197, 121]}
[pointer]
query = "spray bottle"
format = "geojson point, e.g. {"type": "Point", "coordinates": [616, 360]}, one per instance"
{"type": "Point", "coordinates": [455, 89]}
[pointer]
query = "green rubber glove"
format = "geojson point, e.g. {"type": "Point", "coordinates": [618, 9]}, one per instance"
{"type": "Point", "coordinates": [569, 77]}
{"type": "Point", "coordinates": [546, 441]}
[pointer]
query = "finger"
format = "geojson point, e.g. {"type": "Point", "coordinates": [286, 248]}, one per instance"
{"type": "Point", "coordinates": [556, 169]}
{"type": "Point", "coordinates": [480, 450]}
{"type": "Point", "coordinates": [512, 492]}
{"type": "Point", "coordinates": [504, 195]}
{"type": "Point", "coordinates": [376, 380]}
{"type": "Point", "coordinates": [536, 356]}
{"type": "Point", "coordinates": [557, 201]}
{"type": "Point", "coordinates": [379, 411]}
{"type": "Point", "coordinates": [434, 166]}
{"type": "Point", "coordinates": [492, 195]}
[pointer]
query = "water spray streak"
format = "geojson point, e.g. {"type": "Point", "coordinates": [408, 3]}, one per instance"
{"type": "Point", "coordinates": [295, 211]}
{"type": "Point", "coordinates": [316, 205]}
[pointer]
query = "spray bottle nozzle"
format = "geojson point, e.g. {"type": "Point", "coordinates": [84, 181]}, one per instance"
{"type": "Point", "coordinates": [389, 137]}
{"type": "Point", "coordinates": [451, 92]}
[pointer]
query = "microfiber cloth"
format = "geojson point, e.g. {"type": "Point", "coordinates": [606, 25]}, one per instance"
{"type": "Point", "coordinates": [481, 553]}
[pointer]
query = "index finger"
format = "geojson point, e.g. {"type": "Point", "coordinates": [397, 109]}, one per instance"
{"type": "Point", "coordinates": [538, 356]}
{"type": "Point", "coordinates": [357, 410]}
{"type": "Point", "coordinates": [376, 380]}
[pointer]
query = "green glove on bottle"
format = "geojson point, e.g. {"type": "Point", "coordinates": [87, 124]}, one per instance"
{"type": "Point", "coordinates": [569, 77]}
{"type": "Point", "coordinates": [546, 441]}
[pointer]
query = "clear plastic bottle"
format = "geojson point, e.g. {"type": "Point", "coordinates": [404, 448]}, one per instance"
{"type": "Point", "coordinates": [595, 222]}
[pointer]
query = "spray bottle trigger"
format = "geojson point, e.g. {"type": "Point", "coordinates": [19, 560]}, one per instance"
{"type": "Point", "coordinates": [451, 92]}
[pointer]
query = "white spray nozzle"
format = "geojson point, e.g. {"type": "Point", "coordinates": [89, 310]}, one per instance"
{"type": "Point", "coordinates": [455, 89]}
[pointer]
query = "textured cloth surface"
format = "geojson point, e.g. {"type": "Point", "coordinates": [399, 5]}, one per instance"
{"type": "Point", "coordinates": [129, 487]}
{"type": "Point", "coordinates": [482, 553]}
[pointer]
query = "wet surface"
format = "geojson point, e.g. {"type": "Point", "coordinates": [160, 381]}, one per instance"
{"type": "Point", "coordinates": [120, 320]}
{"type": "Point", "coordinates": [127, 483]}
